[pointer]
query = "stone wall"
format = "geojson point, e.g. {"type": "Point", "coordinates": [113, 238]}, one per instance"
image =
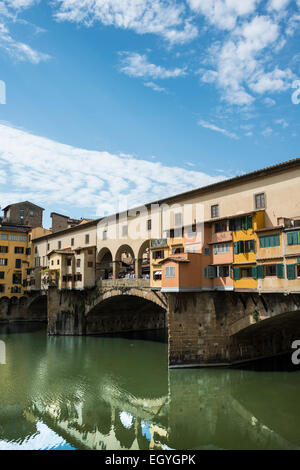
{"type": "Point", "coordinates": [32, 308]}
{"type": "Point", "coordinates": [211, 328]}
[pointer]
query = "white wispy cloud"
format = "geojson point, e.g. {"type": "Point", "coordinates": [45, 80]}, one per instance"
{"type": "Point", "coordinates": [137, 65]}
{"type": "Point", "coordinates": [267, 132]}
{"type": "Point", "coordinates": [165, 18]}
{"type": "Point", "coordinates": [241, 68]}
{"type": "Point", "coordinates": [213, 127]}
{"type": "Point", "coordinates": [20, 51]}
{"type": "Point", "coordinates": [155, 87]}
{"type": "Point", "coordinates": [223, 13]}
{"type": "Point", "coordinates": [62, 176]}
{"type": "Point", "coordinates": [278, 5]}
{"type": "Point", "coordinates": [282, 122]}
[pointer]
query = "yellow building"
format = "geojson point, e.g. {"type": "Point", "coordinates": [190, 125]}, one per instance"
{"type": "Point", "coordinates": [70, 269]}
{"type": "Point", "coordinates": [15, 260]}
{"type": "Point", "coordinates": [245, 247]}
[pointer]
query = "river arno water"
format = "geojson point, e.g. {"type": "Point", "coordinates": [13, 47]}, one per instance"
{"type": "Point", "coordinates": [117, 393]}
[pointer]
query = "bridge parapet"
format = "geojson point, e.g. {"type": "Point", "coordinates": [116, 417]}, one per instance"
{"type": "Point", "coordinates": [117, 283]}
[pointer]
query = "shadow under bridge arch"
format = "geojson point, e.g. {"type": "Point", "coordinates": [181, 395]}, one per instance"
{"type": "Point", "coordinates": [118, 312]}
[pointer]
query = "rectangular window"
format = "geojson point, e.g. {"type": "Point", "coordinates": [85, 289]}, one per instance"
{"type": "Point", "coordinates": [90, 264]}
{"type": "Point", "coordinates": [21, 214]}
{"type": "Point", "coordinates": [57, 262]}
{"type": "Point", "coordinates": [72, 241]}
{"type": "Point", "coordinates": [78, 277]}
{"type": "Point", "coordinates": [69, 262]}
{"type": "Point", "coordinates": [223, 271]}
{"type": "Point", "coordinates": [170, 272]}
{"type": "Point", "coordinates": [177, 250]}
{"type": "Point", "coordinates": [210, 272]}
{"type": "Point", "coordinates": [59, 245]}
{"type": "Point", "coordinates": [260, 201]}
{"type": "Point", "coordinates": [48, 246]}
{"type": "Point", "coordinates": [249, 246]}
{"type": "Point", "coordinates": [3, 249]}
{"type": "Point", "coordinates": [269, 241]}
{"type": "Point", "coordinates": [14, 238]}
{"type": "Point", "coordinates": [293, 238]}
{"type": "Point", "coordinates": [31, 213]}
{"type": "Point", "coordinates": [28, 251]}
{"type": "Point", "coordinates": [221, 248]}
{"type": "Point", "coordinates": [214, 211]}
{"type": "Point", "coordinates": [18, 263]}
{"type": "Point", "coordinates": [246, 272]}
{"type": "Point", "coordinates": [206, 251]}
{"type": "Point", "coordinates": [4, 236]}
{"type": "Point", "coordinates": [235, 224]}
{"type": "Point", "coordinates": [3, 261]}
{"type": "Point", "coordinates": [270, 270]}
{"type": "Point", "coordinates": [17, 278]}
{"type": "Point", "coordinates": [22, 238]}
{"type": "Point", "coordinates": [78, 263]}
{"type": "Point", "coordinates": [221, 226]}
{"type": "Point", "coordinates": [158, 254]}
{"type": "Point", "coordinates": [2, 288]}
{"type": "Point", "coordinates": [87, 239]}
{"type": "Point", "coordinates": [2, 274]}
{"type": "Point", "coordinates": [149, 224]}
{"type": "Point", "coordinates": [19, 250]}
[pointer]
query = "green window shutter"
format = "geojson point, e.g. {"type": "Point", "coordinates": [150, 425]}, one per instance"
{"type": "Point", "coordinates": [236, 273]}
{"type": "Point", "coordinates": [254, 272]}
{"type": "Point", "coordinates": [280, 271]}
{"type": "Point", "coordinates": [250, 223]}
{"type": "Point", "coordinates": [260, 271]}
{"type": "Point", "coordinates": [293, 238]}
{"type": "Point", "coordinates": [236, 248]}
{"type": "Point", "coordinates": [276, 240]}
{"type": "Point", "coordinates": [245, 223]}
{"type": "Point", "coordinates": [291, 271]}
{"type": "Point", "coordinates": [261, 242]}
{"type": "Point", "coordinates": [205, 273]}
{"type": "Point", "coordinates": [241, 246]}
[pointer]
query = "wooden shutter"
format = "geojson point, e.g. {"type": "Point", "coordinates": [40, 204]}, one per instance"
{"type": "Point", "coordinates": [260, 271]}
{"type": "Point", "coordinates": [291, 271]}
{"type": "Point", "coordinates": [236, 273]}
{"type": "Point", "coordinates": [254, 272]}
{"type": "Point", "coordinates": [280, 271]}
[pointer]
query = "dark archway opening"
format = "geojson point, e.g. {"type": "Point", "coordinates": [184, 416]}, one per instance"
{"type": "Point", "coordinates": [38, 309]}
{"type": "Point", "coordinates": [124, 314]}
{"type": "Point", "coordinates": [104, 267]}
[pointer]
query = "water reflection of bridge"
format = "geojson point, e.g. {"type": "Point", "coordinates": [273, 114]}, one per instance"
{"type": "Point", "coordinates": [201, 410]}
{"type": "Point", "coordinates": [117, 394]}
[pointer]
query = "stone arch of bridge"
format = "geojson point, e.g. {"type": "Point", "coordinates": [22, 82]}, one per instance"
{"type": "Point", "coordinates": [122, 310]}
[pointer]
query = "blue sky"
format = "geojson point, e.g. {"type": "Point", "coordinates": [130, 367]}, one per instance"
{"type": "Point", "coordinates": [133, 100]}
